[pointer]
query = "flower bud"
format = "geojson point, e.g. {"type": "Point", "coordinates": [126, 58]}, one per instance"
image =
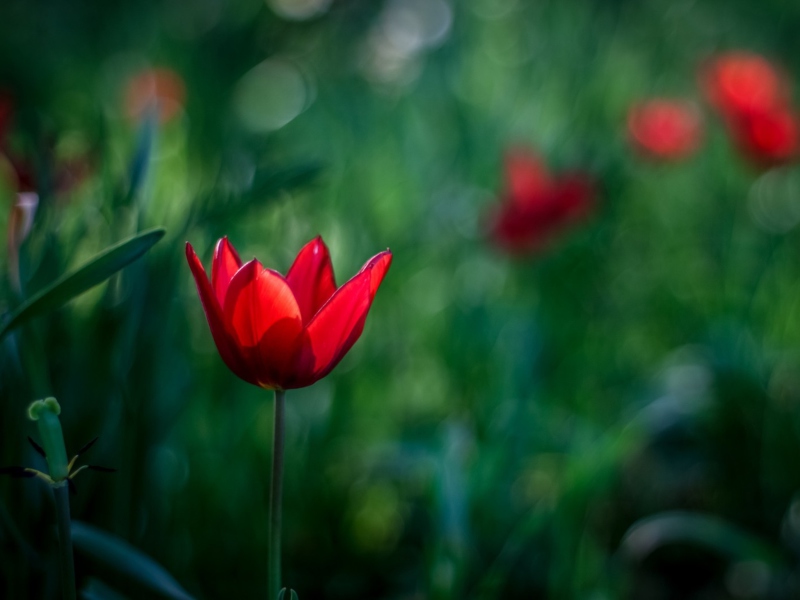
{"type": "Point", "coordinates": [45, 413]}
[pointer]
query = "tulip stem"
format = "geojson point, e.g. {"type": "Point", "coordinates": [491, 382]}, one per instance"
{"type": "Point", "coordinates": [275, 492]}
{"type": "Point", "coordinates": [61, 492]}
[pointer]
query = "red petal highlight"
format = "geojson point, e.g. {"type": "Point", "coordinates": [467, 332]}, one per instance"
{"type": "Point", "coordinates": [664, 129]}
{"type": "Point", "coordinates": [739, 82]}
{"type": "Point", "coordinates": [226, 263]}
{"type": "Point", "coordinates": [227, 349]}
{"type": "Point", "coordinates": [521, 229]}
{"type": "Point", "coordinates": [769, 138]}
{"type": "Point", "coordinates": [311, 278]}
{"type": "Point", "coordinates": [339, 323]}
{"type": "Point", "coordinates": [265, 322]}
{"type": "Point", "coordinates": [377, 266]}
{"type": "Point", "coordinates": [526, 175]}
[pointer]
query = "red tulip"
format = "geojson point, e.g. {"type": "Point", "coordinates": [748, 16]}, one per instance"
{"type": "Point", "coordinates": [767, 138]}
{"type": "Point", "coordinates": [287, 332]}
{"type": "Point", "coordinates": [741, 82]}
{"type": "Point", "coordinates": [664, 129]}
{"type": "Point", "coordinates": [536, 207]}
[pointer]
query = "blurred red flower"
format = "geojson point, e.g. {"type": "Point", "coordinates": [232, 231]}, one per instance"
{"type": "Point", "coordinates": [740, 82]}
{"type": "Point", "coordinates": [287, 332]}
{"type": "Point", "coordinates": [768, 138]}
{"type": "Point", "coordinates": [526, 174]}
{"type": "Point", "coordinates": [753, 99]}
{"type": "Point", "coordinates": [63, 174]}
{"type": "Point", "coordinates": [68, 174]}
{"type": "Point", "coordinates": [535, 206]}
{"type": "Point", "coordinates": [664, 129]}
{"type": "Point", "coordinates": [161, 87]}
{"type": "Point", "coordinates": [6, 113]}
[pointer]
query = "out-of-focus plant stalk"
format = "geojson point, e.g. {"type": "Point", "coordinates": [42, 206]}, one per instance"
{"type": "Point", "coordinates": [275, 493]}
{"type": "Point", "coordinates": [20, 222]}
{"type": "Point", "coordinates": [66, 560]}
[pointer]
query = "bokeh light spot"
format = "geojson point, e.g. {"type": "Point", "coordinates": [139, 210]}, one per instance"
{"type": "Point", "coordinates": [271, 95]}
{"type": "Point", "coordinates": [773, 201]}
{"type": "Point", "coordinates": [299, 10]}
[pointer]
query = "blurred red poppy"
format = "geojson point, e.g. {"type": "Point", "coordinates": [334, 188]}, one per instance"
{"type": "Point", "coordinates": [753, 98]}
{"type": "Point", "coordinates": [535, 206]}
{"type": "Point", "coordinates": [768, 138]}
{"type": "Point", "coordinates": [664, 129]}
{"type": "Point", "coordinates": [160, 88]}
{"type": "Point", "coordinates": [287, 332]}
{"type": "Point", "coordinates": [526, 174]}
{"type": "Point", "coordinates": [740, 82]}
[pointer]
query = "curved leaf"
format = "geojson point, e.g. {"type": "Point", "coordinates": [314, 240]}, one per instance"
{"type": "Point", "coordinates": [97, 590]}
{"type": "Point", "coordinates": [122, 566]}
{"type": "Point", "coordinates": [684, 527]}
{"type": "Point", "coordinates": [74, 283]}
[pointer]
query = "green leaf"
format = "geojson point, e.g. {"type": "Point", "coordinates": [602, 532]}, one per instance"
{"type": "Point", "coordinates": [124, 567]}
{"type": "Point", "coordinates": [282, 594]}
{"type": "Point", "coordinates": [267, 182]}
{"type": "Point", "coordinates": [698, 529]}
{"type": "Point", "coordinates": [97, 590]}
{"type": "Point", "coordinates": [73, 284]}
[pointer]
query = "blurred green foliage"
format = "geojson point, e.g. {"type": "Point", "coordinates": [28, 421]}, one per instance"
{"type": "Point", "coordinates": [614, 417]}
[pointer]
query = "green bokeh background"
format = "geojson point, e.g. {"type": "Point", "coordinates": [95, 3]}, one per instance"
{"type": "Point", "coordinates": [502, 422]}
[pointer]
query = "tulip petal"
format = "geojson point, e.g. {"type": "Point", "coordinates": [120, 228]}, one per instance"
{"type": "Point", "coordinates": [230, 354]}
{"type": "Point", "coordinates": [226, 263]}
{"type": "Point", "coordinates": [265, 321]}
{"type": "Point", "coordinates": [311, 278]}
{"type": "Point", "coordinates": [377, 267]}
{"type": "Point", "coordinates": [339, 323]}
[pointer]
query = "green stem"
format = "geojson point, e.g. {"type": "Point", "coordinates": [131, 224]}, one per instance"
{"type": "Point", "coordinates": [275, 492]}
{"type": "Point", "coordinates": [61, 492]}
